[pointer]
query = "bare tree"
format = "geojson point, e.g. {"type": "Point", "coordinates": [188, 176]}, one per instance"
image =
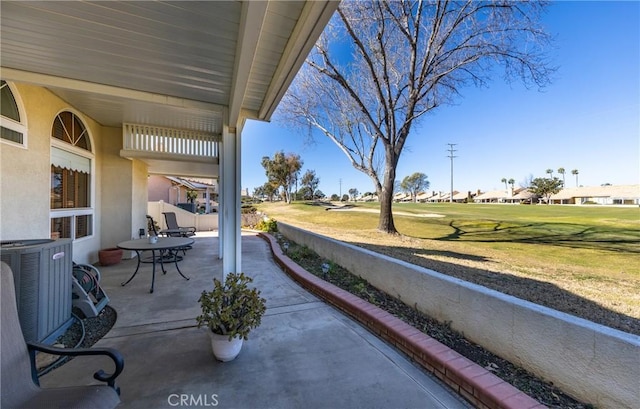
{"type": "Point", "coordinates": [382, 65]}
{"type": "Point", "coordinates": [526, 182]}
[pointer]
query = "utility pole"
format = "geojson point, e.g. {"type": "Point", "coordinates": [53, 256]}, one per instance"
{"type": "Point", "coordinates": [340, 181]}
{"type": "Point", "coordinates": [451, 156]}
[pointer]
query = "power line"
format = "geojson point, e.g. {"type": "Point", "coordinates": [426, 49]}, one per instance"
{"type": "Point", "coordinates": [451, 156]}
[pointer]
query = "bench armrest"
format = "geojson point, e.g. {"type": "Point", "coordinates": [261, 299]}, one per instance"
{"type": "Point", "coordinates": [100, 375]}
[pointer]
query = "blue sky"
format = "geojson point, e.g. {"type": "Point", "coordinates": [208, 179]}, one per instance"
{"type": "Point", "coordinates": [587, 119]}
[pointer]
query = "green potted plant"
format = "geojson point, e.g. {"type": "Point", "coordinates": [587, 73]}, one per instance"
{"type": "Point", "coordinates": [230, 311]}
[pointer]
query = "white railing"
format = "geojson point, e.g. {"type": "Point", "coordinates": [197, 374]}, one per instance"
{"type": "Point", "coordinates": [145, 138]}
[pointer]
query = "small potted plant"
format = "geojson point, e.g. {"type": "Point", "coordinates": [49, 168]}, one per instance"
{"type": "Point", "coordinates": [230, 311]}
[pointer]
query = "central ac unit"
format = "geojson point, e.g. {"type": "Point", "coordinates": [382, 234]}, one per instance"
{"type": "Point", "coordinates": [42, 277]}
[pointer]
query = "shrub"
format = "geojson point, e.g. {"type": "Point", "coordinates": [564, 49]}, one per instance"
{"type": "Point", "coordinates": [268, 225]}
{"type": "Point", "coordinates": [301, 253]}
{"type": "Point", "coordinates": [248, 209]}
{"type": "Point", "coordinates": [232, 308]}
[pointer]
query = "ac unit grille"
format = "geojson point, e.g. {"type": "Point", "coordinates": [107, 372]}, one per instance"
{"type": "Point", "coordinates": [28, 297]}
{"type": "Point", "coordinates": [42, 276]}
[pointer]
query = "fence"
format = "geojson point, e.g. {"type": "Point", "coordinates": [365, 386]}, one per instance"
{"type": "Point", "coordinates": [202, 222]}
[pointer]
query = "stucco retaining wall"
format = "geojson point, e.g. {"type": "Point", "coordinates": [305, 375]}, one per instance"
{"type": "Point", "coordinates": [594, 363]}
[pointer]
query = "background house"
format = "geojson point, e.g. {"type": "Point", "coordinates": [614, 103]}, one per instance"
{"type": "Point", "coordinates": [173, 190]}
{"type": "Point", "coordinates": [604, 195]}
{"type": "Point", "coordinates": [463, 197]}
{"type": "Point", "coordinates": [492, 196]}
{"type": "Point", "coordinates": [523, 195]}
{"type": "Point", "coordinates": [439, 197]}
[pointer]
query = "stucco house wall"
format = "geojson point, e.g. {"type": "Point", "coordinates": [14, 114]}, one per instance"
{"type": "Point", "coordinates": [159, 187]}
{"type": "Point", "coordinates": [139, 197]}
{"type": "Point", "coordinates": [124, 187]}
{"type": "Point", "coordinates": [119, 189]}
{"type": "Point", "coordinates": [163, 188]}
{"type": "Point", "coordinates": [25, 180]}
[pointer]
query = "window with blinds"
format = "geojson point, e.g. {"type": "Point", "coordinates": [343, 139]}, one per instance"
{"type": "Point", "coordinates": [71, 179]}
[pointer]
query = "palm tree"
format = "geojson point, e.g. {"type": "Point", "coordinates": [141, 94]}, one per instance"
{"type": "Point", "coordinates": [504, 180]}
{"type": "Point", "coordinates": [562, 171]}
{"type": "Point", "coordinates": [550, 172]}
{"type": "Point", "coordinates": [575, 172]}
{"type": "Point", "coordinates": [511, 182]}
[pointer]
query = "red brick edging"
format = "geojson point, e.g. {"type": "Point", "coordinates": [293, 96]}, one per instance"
{"type": "Point", "coordinates": [476, 384]}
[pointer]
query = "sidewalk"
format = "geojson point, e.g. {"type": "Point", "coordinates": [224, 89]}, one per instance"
{"type": "Point", "coordinates": [305, 353]}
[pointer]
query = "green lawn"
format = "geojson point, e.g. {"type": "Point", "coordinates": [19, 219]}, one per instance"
{"type": "Point", "coordinates": [597, 238]}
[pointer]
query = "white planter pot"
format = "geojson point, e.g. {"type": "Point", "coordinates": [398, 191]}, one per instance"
{"type": "Point", "coordinates": [223, 349]}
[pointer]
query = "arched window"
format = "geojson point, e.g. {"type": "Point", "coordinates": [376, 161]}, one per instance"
{"type": "Point", "coordinates": [71, 178]}
{"type": "Point", "coordinates": [12, 124]}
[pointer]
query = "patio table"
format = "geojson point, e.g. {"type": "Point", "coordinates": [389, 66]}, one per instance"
{"type": "Point", "coordinates": [178, 232]}
{"type": "Point", "coordinates": [163, 244]}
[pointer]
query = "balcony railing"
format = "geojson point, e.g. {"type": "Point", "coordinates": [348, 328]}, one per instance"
{"type": "Point", "coordinates": [154, 139]}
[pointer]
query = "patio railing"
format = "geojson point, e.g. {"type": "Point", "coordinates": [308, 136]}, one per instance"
{"type": "Point", "coordinates": [145, 138]}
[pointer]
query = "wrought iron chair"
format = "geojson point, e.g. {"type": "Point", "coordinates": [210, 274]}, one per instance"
{"type": "Point", "coordinates": [19, 378]}
{"type": "Point", "coordinates": [152, 227]}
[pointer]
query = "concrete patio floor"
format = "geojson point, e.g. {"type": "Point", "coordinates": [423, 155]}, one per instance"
{"type": "Point", "coordinates": [305, 353]}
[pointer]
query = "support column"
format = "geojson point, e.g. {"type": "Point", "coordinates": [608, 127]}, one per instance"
{"type": "Point", "coordinates": [230, 201]}
{"type": "Point", "coordinates": [207, 197]}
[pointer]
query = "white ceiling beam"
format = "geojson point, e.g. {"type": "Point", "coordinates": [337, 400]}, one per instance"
{"type": "Point", "coordinates": [312, 21]}
{"type": "Point", "coordinates": [51, 81]}
{"type": "Point", "coordinates": [251, 22]}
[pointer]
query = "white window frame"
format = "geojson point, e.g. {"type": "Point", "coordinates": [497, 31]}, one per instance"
{"type": "Point", "coordinates": [14, 125]}
{"type": "Point", "coordinates": [78, 211]}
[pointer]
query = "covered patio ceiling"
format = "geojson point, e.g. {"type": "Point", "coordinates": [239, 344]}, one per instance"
{"type": "Point", "coordinates": [191, 65]}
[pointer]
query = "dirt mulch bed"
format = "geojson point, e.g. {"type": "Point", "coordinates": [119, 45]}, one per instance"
{"type": "Point", "coordinates": [82, 333]}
